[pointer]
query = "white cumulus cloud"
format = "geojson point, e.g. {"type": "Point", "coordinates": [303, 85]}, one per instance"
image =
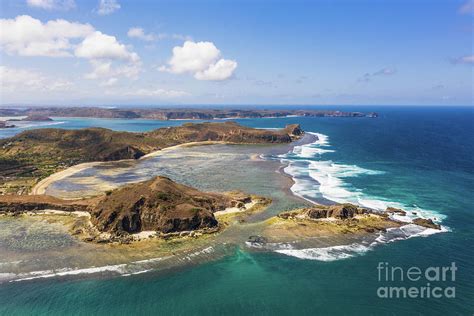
{"type": "Point", "coordinates": [221, 70]}
{"type": "Point", "coordinates": [26, 36]}
{"type": "Point", "coordinates": [103, 69]}
{"type": "Point", "coordinates": [201, 59]}
{"type": "Point", "coordinates": [138, 32]}
{"type": "Point", "coordinates": [52, 4]}
{"type": "Point", "coordinates": [16, 79]}
{"type": "Point", "coordinates": [107, 7]}
{"type": "Point", "coordinates": [99, 45]}
{"type": "Point", "coordinates": [161, 93]}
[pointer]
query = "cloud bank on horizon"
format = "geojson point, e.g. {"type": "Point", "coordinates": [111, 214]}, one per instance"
{"type": "Point", "coordinates": [107, 52]}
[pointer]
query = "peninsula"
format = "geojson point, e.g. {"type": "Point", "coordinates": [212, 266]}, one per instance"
{"type": "Point", "coordinates": [35, 154]}
{"type": "Point", "coordinates": [160, 207]}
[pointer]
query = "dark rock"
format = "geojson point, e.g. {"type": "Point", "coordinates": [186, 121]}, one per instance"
{"type": "Point", "coordinates": [317, 213]}
{"type": "Point", "coordinates": [428, 223]}
{"type": "Point", "coordinates": [393, 210]}
{"type": "Point", "coordinates": [341, 211]}
{"type": "Point", "coordinates": [344, 211]}
{"type": "Point", "coordinates": [294, 130]}
{"type": "Point", "coordinates": [257, 239]}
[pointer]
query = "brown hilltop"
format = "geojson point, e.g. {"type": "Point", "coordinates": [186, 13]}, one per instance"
{"type": "Point", "coordinates": [158, 204]}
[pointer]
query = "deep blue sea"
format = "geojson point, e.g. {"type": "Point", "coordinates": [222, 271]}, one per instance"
{"type": "Point", "coordinates": [418, 158]}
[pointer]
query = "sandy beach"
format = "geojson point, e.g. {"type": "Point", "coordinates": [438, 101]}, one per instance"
{"type": "Point", "coordinates": [40, 187]}
{"type": "Point", "coordinates": [231, 210]}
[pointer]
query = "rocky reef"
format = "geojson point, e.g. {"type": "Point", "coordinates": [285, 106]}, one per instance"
{"type": "Point", "coordinates": [332, 220]}
{"type": "Point", "coordinates": [426, 222]}
{"type": "Point", "coordinates": [325, 221]}
{"type": "Point", "coordinates": [339, 211]}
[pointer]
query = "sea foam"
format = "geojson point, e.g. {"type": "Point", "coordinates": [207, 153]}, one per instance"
{"type": "Point", "coordinates": [327, 253]}
{"type": "Point", "coordinates": [315, 178]}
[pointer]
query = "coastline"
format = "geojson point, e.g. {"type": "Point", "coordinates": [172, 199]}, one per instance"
{"type": "Point", "coordinates": [234, 234]}
{"type": "Point", "coordinates": [312, 138]}
{"type": "Point", "coordinates": [41, 187]}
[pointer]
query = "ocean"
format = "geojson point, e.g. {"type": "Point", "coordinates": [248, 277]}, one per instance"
{"type": "Point", "coordinates": [416, 158]}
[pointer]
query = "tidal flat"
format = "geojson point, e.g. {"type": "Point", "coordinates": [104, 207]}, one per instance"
{"type": "Point", "coordinates": [42, 245]}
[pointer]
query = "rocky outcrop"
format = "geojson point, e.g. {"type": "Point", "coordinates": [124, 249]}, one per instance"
{"type": "Point", "coordinates": [294, 130]}
{"type": "Point", "coordinates": [428, 223]}
{"type": "Point", "coordinates": [37, 118]}
{"type": "Point", "coordinates": [339, 211]}
{"type": "Point", "coordinates": [158, 205]}
{"type": "Point", "coordinates": [394, 210]}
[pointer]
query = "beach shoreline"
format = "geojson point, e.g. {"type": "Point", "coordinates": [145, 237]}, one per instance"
{"type": "Point", "coordinates": [41, 187]}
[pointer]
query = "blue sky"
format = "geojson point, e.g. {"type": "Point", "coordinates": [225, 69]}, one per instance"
{"type": "Point", "coordinates": [361, 52]}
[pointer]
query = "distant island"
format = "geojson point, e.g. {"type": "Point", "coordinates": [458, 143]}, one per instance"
{"type": "Point", "coordinates": [6, 124]}
{"type": "Point", "coordinates": [30, 118]}
{"type": "Point", "coordinates": [172, 114]}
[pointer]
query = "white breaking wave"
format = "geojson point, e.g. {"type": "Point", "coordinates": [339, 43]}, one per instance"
{"type": "Point", "coordinates": [119, 268]}
{"type": "Point", "coordinates": [122, 269]}
{"type": "Point", "coordinates": [327, 253]}
{"type": "Point", "coordinates": [316, 178]}
{"type": "Point", "coordinates": [30, 124]}
{"type": "Point", "coordinates": [348, 251]}
{"type": "Point", "coordinates": [126, 269]}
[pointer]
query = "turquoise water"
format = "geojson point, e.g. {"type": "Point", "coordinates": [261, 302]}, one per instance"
{"type": "Point", "coordinates": [136, 125]}
{"type": "Point", "coordinates": [421, 158]}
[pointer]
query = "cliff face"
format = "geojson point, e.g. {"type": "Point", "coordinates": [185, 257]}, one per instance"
{"type": "Point", "coordinates": [339, 211]}
{"type": "Point", "coordinates": [159, 205]}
